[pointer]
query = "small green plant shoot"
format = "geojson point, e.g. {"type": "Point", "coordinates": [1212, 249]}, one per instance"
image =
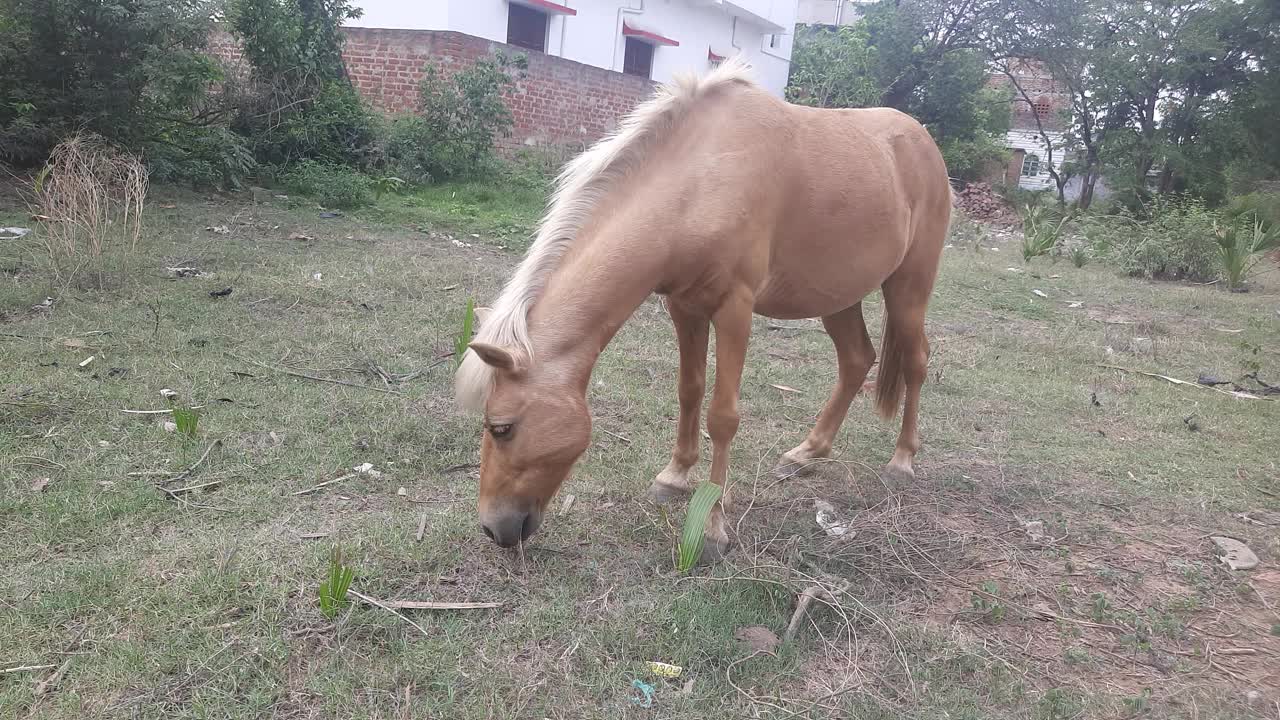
{"type": "Point", "coordinates": [464, 334]}
{"type": "Point", "coordinates": [187, 419]}
{"type": "Point", "coordinates": [386, 185]}
{"type": "Point", "coordinates": [695, 522]}
{"type": "Point", "coordinates": [333, 591]}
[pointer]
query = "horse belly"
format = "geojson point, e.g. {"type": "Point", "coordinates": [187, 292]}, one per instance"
{"type": "Point", "coordinates": [812, 280]}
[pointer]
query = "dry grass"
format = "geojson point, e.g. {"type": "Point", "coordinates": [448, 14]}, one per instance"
{"type": "Point", "coordinates": [90, 197]}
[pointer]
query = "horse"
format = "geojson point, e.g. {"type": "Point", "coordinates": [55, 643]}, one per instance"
{"type": "Point", "coordinates": [728, 202]}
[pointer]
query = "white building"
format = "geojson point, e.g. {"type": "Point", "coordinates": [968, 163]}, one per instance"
{"type": "Point", "coordinates": [652, 38]}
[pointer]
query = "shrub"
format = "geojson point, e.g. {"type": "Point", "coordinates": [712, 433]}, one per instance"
{"type": "Point", "coordinates": [1041, 230]}
{"type": "Point", "coordinates": [1176, 243]}
{"type": "Point", "coordinates": [459, 118]}
{"type": "Point", "coordinates": [1240, 245]}
{"type": "Point", "coordinates": [334, 127]}
{"type": "Point", "coordinates": [334, 186]}
{"type": "Point", "coordinates": [1262, 206]}
{"type": "Point", "coordinates": [126, 70]}
{"type": "Point", "coordinates": [202, 157]}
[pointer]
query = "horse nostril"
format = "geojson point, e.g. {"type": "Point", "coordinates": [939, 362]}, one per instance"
{"type": "Point", "coordinates": [488, 532]}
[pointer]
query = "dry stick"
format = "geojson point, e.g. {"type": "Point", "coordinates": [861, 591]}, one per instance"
{"type": "Point", "coordinates": [623, 438]}
{"type": "Point", "coordinates": [157, 412]}
{"type": "Point", "coordinates": [187, 473]}
{"type": "Point", "coordinates": [316, 378]}
{"type": "Point", "coordinates": [1176, 381]}
{"type": "Point", "coordinates": [382, 605]}
{"type": "Point", "coordinates": [47, 684]}
{"type": "Point", "coordinates": [26, 668]}
{"type": "Point", "coordinates": [326, 483]}
{"type": "Point", "coordinates": [190, 488]}
{"type": "Point", "coordinates": [422, 526]}
{"type": "Point", "coordinates": [427, 605]}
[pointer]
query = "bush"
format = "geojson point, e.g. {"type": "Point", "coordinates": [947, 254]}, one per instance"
{"type": "Point", "coordinates": [459, 118]}
{"type": "Point", "coordinates": [333, 186]}
{"type": "Point", "coordinates": [1177, 242]}
{"type": "Point", "coordinates": [201, 157]}
{"type": "Point", "coordinates": [1260, 205]}
{"type": "Point", "coordinates": [126, 70]}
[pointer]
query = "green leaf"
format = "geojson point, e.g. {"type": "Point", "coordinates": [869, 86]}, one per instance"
{"type": "Point", "coordinates": [464, 335]}
{"type": "Point", "coordinates": [695, 523]}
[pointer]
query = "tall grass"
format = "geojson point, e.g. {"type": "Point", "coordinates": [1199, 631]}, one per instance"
{"type": "Point", "coordinates": [90, 197]}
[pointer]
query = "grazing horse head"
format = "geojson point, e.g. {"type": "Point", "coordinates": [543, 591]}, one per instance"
{"type": "Point", "coordinates": [536, 426]}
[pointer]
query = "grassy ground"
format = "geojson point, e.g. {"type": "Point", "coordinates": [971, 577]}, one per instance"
{"type": "Point", "coordinates": [132, 602]}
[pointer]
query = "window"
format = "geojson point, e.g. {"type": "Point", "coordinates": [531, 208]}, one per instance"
{"type": "Point", "coordinates": [1031, 165]}
{"type": "Point", "coordinates": [637, 59]}
{"type": "Point", "coordinates": [773, 41]}
{"type": "Point", "coordinates": [526, 27]}
{"type": "Point", "coordinates": [1041, 107]}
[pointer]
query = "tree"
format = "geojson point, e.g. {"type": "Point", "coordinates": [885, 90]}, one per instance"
{"type": "Point", "coordinates": [124, 69]}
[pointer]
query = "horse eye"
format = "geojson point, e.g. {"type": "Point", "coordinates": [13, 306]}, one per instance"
{"type": "Point", "coordinates": [500, 431]}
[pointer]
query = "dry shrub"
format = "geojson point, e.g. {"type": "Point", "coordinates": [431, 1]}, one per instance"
{"type": "Point", "coordinates": [91, 197]}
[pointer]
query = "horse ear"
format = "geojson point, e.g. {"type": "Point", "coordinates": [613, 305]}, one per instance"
{"type": "Point", "coordinates": [496, 356]}
{"type": "Point", "coordinates": [480, 314]}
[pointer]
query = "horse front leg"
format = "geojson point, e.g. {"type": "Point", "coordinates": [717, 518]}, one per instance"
{"type": "Point", "coordinates": [733, 330]}
{"type": "Point", "coordinates": [692, 330]}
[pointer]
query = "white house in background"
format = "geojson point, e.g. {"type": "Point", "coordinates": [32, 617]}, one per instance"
{"type": "Point", "coordinates": [829, 12]}
{"type": "Point", "coordinates": [651, 38]}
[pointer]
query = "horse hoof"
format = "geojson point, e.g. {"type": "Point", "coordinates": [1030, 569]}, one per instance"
{"type": "Point", "coordinates": [790, 468]}
{"type": "Point", "coordinates": [898, 475]}
{"type": "Point", "coordinates": [714, 550]}
{"type": "Point", "coordinates": [664, 494]}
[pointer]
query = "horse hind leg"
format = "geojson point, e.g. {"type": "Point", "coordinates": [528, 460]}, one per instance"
{"type": "Point", "coordinates": [854, 355]}
{"type": "Point", "coordinates": [904, 359]}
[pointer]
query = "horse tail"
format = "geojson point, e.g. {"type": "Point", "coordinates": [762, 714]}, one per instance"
{"type": "Point", "coordinates": [889, 378]}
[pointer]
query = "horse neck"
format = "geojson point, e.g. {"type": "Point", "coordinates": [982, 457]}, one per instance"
{"type": "Point", "coordinates": [598, 286]}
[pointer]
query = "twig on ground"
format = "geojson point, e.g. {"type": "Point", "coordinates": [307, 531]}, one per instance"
{"type": "Point", "coordinates": [26, 668]}
{"type": "Point", "coordinates": [324, 484]}
{"type": "Point", "coordinates": [1176, 381]}
{"type": "Point", "coordinates": [623, 438]}
{"type": "Point", "coordinates": [187, 473]}
{"type": "Point", "coordinates": [428, 605]}
{"type": "Point", "coordinates": [54, 678]}
{"type": "Point", "coordinates": [383, 605]}
{"type": "Point", "coordinates": [422, 526]}
{"type": "Point", "coordinates": [158, 412]}
{"type": "Point", "coordinates": [191, 488]}
{"type": "Point", "coordinates": [316, 378]}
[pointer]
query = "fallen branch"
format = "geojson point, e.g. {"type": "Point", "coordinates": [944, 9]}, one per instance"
{"type": "Point", "coordinates": [191, 488]}
{"type": "Point", "coordinates": [316, 378]}
{"type": "Point", "coordinates": [326, 483]}
{"type": "Point", "coordinates": [26, 668]}
{"type": "Point", "coordinates": [157, 412]}
{"type": "Point", "coordinates": [422, 526]}
{"type": "Point", "coordinates": [1176, 381]}
{"type": "Point", "coordinates": [382, 605]}
{"type": "Point", "coordinates": [426, 605]}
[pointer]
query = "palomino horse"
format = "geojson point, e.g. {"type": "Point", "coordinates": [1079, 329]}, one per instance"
{"type": "Point", "coordinates": [729, 202]}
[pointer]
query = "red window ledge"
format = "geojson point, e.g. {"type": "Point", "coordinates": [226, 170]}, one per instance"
{"type": "Point", "coordinates": [547, 6]}
{"type": "Point", "coordinates": [713, 57]}
{"type": "Point", "coordinates": [654, 38]}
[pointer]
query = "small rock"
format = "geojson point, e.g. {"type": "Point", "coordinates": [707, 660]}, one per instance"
{"type": "Point", "coordinates": [1038, 293]}
{"type": "Point", "coordinates": [317, 276]}
{"type": "Point", "coordinates": [170, 426]}
{"type": "Point", "coordinates": [168, 394]}
{"type": "Point", "coordinates": [1235, 554]}
{"type": "Point", "coordinates": [759, 639]}
{"type": "Point", "coordinates": [403, 492]}
{"type": "Point", "coordinates": [1253, 697]}
{"type": "Point", "coordinates": [40, 484]}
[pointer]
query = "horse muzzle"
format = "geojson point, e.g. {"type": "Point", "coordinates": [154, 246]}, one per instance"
{"type": "Point", "coordinates": [510, 527]}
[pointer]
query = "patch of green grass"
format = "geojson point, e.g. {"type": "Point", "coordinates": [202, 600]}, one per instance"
{"type": "Point", "coordinates": [506, 214]}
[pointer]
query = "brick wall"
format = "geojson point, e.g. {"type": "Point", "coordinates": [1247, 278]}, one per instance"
{"type": "Point", "coordinates": [559, 102]}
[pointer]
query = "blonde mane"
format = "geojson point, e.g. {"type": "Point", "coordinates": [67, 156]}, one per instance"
{"type": "Point", "coordinates": [579, 188]}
